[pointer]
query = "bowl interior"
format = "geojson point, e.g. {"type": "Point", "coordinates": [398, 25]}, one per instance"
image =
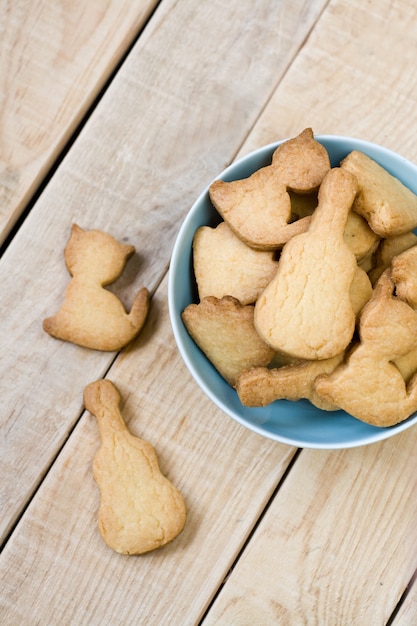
{"type": "Point", "coordinates": [295, 423]}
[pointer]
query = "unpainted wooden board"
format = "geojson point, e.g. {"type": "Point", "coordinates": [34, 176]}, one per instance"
{"type": "Point", "coordinates": [354, 77]}
{"type": "Point", "coordinates": [55, 57]}
{"type": "Point", "coordinates": [337, 546]}
{"type": "Point", "coordinates": [407, 613]}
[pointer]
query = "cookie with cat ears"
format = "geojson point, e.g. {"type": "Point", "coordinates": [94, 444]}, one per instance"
{"type": "Point", "coordinates": [90, 315]}
{"type": "Point", "coordinates": [369, 385]}
{"type": "Point", "coordinates": [258, 208]}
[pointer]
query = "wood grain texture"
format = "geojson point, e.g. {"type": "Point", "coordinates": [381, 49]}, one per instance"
{"type": "Point", "coordinates": [176, 113]}
{"type": "Point", "coordinates": [225, 473]}
{"type": "Point", "coordinates": [407, 613]}
{"type": "Point", "coordinates": [54, 59]}
{"type": "Point", "coordinates": [354, 76]}
{"type": "Point", "coordinates": [337, 546]}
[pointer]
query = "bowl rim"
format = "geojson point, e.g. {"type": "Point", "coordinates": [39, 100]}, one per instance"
{"type": "Point", "coordinates": [376, 434]}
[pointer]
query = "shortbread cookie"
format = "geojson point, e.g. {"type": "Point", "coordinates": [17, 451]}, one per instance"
{"type": "Point", "coordinates": [360, 290]}
{"type": "Point", "coordinates": [301, 163]}
{"type": "Point", "coordinates": [385, 202]}
{"type": "Point", "coordinates": [258, 208]}
{"type": "Point", "coordinates": [306, 310]}
{"type": "Point", "coordinates": [225, 266]}
{"type": "Point", "coordinates": [387, 250]}
{"type": "Point", "coordinates": [261, 386]}
{"type": "Point", "coordinates": [407, 365]}
{"type": "Point", "coordinates": [369, 386]}
{"type": "Point", "coordinates": [404, 275]}
{"type": "Point", "coordinates": [360, 238]}
{"type": "Point", "coordinates": [90, 315]}
{"type": "Point", "coordinates": [224, 331]}
{"type": "Point", "coordinates": [140, 510]}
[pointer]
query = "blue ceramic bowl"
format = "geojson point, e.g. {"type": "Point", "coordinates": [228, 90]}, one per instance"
{"type": "Point", "coordinates": [295, 423]}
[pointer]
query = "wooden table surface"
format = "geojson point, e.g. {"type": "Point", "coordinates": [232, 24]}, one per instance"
{"type": "Point", "coordinates": [115, 115]}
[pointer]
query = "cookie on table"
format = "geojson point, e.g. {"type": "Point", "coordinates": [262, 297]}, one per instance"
{"type": "Point", "coordinates": [140, 509]}
{"type": "Point", "coordinates": [91, 316]}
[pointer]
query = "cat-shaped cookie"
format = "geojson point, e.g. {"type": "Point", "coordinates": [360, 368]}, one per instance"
{"type": "Point", "coordinates": [90, 315]}
{"type": "Point", "coordinates": [258, 208]}
{"type": "Point", "coordinates": [369, 386]}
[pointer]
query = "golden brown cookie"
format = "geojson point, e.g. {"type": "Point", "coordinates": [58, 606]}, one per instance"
{"type": "Point", "coordinates": [385, 202]}
{"type": "Point", "coordinates": [387, 250]}
{"type": "Point", "coordinates": [258, 208]}
{"type": "Point", "coordinates": [224, 331]}
{"type": "Point", "coordinates": [261, 386]}
{"type": "Point", "coordinates": [404, 275]}
{"type": "Point", "coordinates": [360, 290]}
{"type": "Point", "coordinates": [407, 365]}
{"type": "Point", "coordinates": [90, 315]}
{"type": "Point", "coordinates": [306, 310]}
{"type": "Point", "coordinates": [359, 237]}
{"type": "Point", "coordinates": [225, 266]}
{"type": "Point", "coordinates": [301, 163]}
{"type": "Point", "coordinates": [140, 509]}
{"type": "Point", "coordinates": [369, 386]}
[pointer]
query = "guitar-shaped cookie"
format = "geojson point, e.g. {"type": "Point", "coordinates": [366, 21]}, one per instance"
{"type": "Point", "coordinates": [306, 310]}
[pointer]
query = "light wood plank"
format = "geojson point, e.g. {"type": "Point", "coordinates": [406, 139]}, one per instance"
{"type": "Point", "coordinates": [407, 614]}
{"type": "Point", "coordinates": [337, 546]}
{"type": "Point", "coordinates": [225, 472]}
{"type": "Point", "coordinates": [54, 59]}
{"type": "Point", "coordinates": [176, 113]}
{"type": "Point", "coordinates": [354, 76]}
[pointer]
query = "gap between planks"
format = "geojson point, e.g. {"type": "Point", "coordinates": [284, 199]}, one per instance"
{"type": "Point", "coordinates": [252, 532]}
{"type": "Point", "coordinates": [401, 601]}
{"type": "Point", "coordinates": [75, 133]}
{"type": "Point", "coordinates": [240, 151]}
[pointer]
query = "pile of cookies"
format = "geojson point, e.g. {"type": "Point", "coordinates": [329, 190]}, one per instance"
{"type": "Point", "coordinates": [308, 286]}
